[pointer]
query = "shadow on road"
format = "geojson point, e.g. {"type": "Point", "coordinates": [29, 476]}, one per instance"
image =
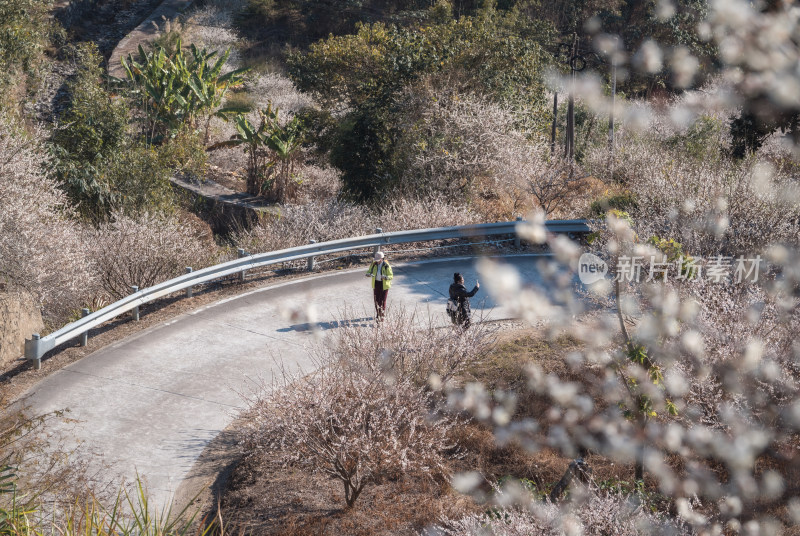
{"type": "Point", "coordinates": [308, 326]}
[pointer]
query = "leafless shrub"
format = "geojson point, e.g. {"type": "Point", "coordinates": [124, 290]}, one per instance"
{"type": "Point", "coordinates": [525, 169]}
{"type": "Point", "coordinates": [421, 213]}
{"type": "Point", "coordinates": [452, 142]}
{"type": "Point", "coordinates": [463, 145]}
{"type": "Point", "coordinates": [736, 322]}
{"type": "Point", "coordinates": [351, 425]}
{"type": "Point", "coordinates": [332, 219]}
{"type": "Point", "coordinates": [297, 224]}
{"type": "Point", "coordinates": [710, 205]}
{"type": "Point", "coordinates": [595, 513]}
{"type": "Point", "coordinates": [41, 247]}
{"type": "Point", "coordinates": [319, 183]}
{"type": "Point", "coordinates": [278, 89]}
{"type": "Point", "coordinates": [722, 355]}
{"type": "Point", "coordinates": [409, 346]}
{"type": "Point", "coordinates": [147, 249]}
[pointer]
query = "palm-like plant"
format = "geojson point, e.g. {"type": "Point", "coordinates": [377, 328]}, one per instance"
{"type": "Point", "coordinates": [178, 89]}
{"type": "Point", "coordinates": [254, 140]}
{"type": "Point", "coordinates": [267, 146]}
{"type": "Point", "coordinates": [284, 142]}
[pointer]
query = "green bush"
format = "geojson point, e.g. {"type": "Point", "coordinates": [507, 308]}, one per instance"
{"type": "Point", "coordinates": [93, 127]}
{"type": "Point", "coordinates": [623, 201]}
{"type": "Point", "coordinates": [185, 153]}
{"type": "Point", "coordinates": [94, 123]}
{"type": "Point", "coordinates": [98, 164]}
{"type": "Point", "coordinates": [302, 22]}
{"type": "Point", "coordinates": [368, 73]}
{"type": "Point", "coordinates": [483, 54]}
{"type": "Point", "coordinates": [703, 140]}
{"type": "Point", "coordinates": [25, 31]}
{"type": "Point", "coordinates": [139, 178]}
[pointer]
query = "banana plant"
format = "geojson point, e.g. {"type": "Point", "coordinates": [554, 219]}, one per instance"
{"type": "Point", "coordinates": [254, 141]}
{"type": "Point", "coordinates": [208, 86]}
{"type": "Point", "coordinates": [272, 151]}
{"type": "Point", "coordinates": [177, 89]}
{"type": "Point", "coordinates": [285, 142]}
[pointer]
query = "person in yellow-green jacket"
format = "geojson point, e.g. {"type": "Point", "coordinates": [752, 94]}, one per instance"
{"type": "Point", "coordinates": [381, 274]}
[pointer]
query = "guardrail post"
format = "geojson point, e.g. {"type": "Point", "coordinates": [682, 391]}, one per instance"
{"type": "Point", "coordinates": [188, 289]}
{"type": "Point", "coordinates": [135, 312]}
{"type": "Point", "coordinates": [32, 351]}
{"type": "Point", "coordinates": [517, 243]}
{"type": "Point", "coordinates": [85, 335]}
{"type": "Point", "coordinates": [378, 247]}
{"type": "Point", "coordinates": [311, 259]}
{"type": "Point", "coordinates": [242, 254]}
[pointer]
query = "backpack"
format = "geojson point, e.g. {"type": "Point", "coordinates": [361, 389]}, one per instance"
{"type": "Point", "coordinates": [452, 310]}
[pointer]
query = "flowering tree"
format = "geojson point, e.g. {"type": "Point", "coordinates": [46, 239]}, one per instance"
{"type": "Point", "coordinates": [694, 327]}
{"type": "Point", "coordinates": [367, 413]}
{"type": "Point", "coordinates": [41, 248]}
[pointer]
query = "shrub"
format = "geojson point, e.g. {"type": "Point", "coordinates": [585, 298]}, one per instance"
{"type": "Point", "coordinates": [366, 74]}
{"type": "Point", "coordinates": [147, 249]}
{"type": "Point", "coordinates": [723, 355]}
{"type": "Point", "coordinates": [331, 219]}
{"type": "Point", "coordinates": [93, 128]}
{"type": "Point", "coordinates": [409, 347]}
{"type": "Point", "coordinates": [97, 164]}
{"type": "Point", "coordinates": [297, 224]}
{"type": "Point", "coordinates": [596, 514]}
{"type": "Point", "coordinates": [185, 153]}
{"type": "Point", "coordinates": [279, 90]}
{"type": "Point", "coordinates": [25, 28]}
{"type": "Point", "coordinates": [140, 179]}
{"type": "Point", "coordinates": [710, 205]}
{"type": "Point", "coordinates": [465, 147]}
{"type": "Point", "coordinates": [349, 422]}
{"type": "Point", "coordinates": [319, 183]}
{"type": "Point", "coordinates": [624, 201]}
{"type": "Point", "coordinates": [42, 249]}
{"type": "Point", "coordinates": [94, 123]}
{"type": "Point", "coordinates": [401, 213]}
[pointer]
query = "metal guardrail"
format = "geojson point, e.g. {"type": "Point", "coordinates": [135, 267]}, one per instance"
{"type": "Point", "coordinates": [37, 346]}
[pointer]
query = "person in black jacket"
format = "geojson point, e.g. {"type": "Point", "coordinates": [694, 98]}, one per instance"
{"type": "Point", "coordinates": [459, 294]}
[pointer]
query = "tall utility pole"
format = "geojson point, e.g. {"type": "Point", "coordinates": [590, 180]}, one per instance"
{"type": "Point", "coordinates": [569, 146]}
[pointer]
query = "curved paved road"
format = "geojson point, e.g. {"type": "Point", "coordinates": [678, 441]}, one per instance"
{"type": "Point", "coordinates": [152, 402]}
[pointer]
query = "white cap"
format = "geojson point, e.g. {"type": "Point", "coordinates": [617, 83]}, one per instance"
{"type": "Point", "coordinates": [378, 255]}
